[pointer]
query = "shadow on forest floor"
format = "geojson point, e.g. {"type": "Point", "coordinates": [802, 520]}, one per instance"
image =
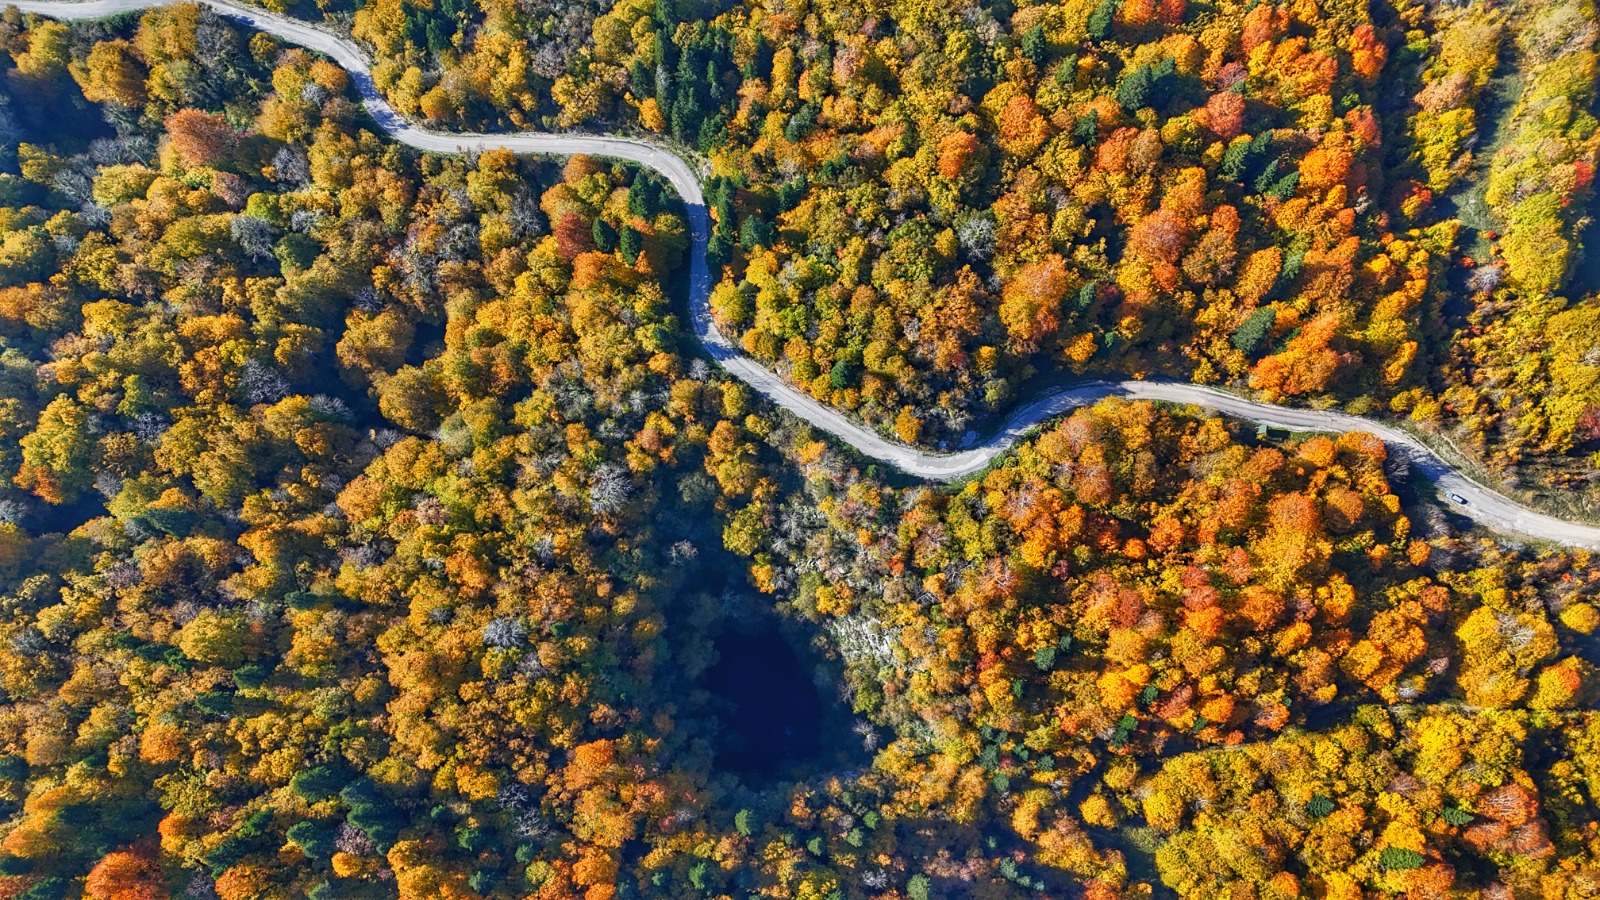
{"type": "Point", "coordinates": [771, 712]}
{"type": "Point", "coordinates": [1586, 276]}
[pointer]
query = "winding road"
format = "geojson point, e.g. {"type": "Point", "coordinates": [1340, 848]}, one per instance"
{"type": "Point", "coordinates": [1475, 501]}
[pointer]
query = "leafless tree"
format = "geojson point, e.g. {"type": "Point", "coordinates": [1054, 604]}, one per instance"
{"type": "Point", "coordinates": [12, 512]}
{"type": "Point", "coordinates": [291, 166]}
{"type": "Point", "coordinates": [254, 236]}
{"type": "Point", "coordinates": [1485, 279]}
{"type": "Point", "coordinates": [975, 234]}
{"type": "Point", "coordinates": [261, 383]}
{"type": "Point", "coordinates": [609, 489]}
{"type": "Point", "coordinates": [504, 633]}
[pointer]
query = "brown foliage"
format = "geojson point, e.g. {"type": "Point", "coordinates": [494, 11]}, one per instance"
{"type": "Point", "coordinates": [574, 236]}
{"type": "Point", "coordinates": [126, 874]}
{"type": "Point", "coordinates": [1511, 804]}
{"type": "Point", "coordinates": [199, 137]}
{"type": "Point", "coordinates": [1223, 115]}
{"type": "Point", "coordinates": [1159, 237]}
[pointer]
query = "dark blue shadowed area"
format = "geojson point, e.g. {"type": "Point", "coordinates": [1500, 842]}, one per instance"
{"type": "Point", "coordinates": [47, 519]}
{"type": "Point", "coordinates": [1586, 275]}
{"type": "Point", "coordinates": [771, 716]}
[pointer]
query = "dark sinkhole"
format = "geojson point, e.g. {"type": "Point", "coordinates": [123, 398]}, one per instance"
{"type": "Point", "coordinates": [769, 716]}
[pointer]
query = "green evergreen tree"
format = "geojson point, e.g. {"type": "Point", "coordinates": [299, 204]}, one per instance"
{"type": "Point", "coordinates": [1087, 128]}
{"type": "Point", "coordinates": [754, 232]}
{"type": "Point", "coordinates": [839, 375]}
{"type": "Point", "coordinates": [1248, 336]}
{"type": "Point", "coordinates": [791, 192]}
{"type": "Point", "coordinates": [1101, 20]}
{"type": "Point", "coordinates": [1133, 91]}
{"type": "Point", "coordinates": [1284, 187]}
{"type": "Point", "coordinates": [631, 243]}
{"type": "Point", "coordinates": [641, 80]}
{"type": "Point", "coordinates": [1035, 46]}
{"type": "Point", "coordinates": [1399, 859]}
{"type": "Point", "coordinates": [1067, 72]}
{"type": "Point", "coordinates": [605, 237]}
{"type": "Point", "coordinates": [644, 197]}
{"type": "Point", "coordinates": [315, 784]}
{"type": "Point", "coordinates": [315, 839]}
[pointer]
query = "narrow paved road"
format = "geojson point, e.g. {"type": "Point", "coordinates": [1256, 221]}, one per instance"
{"type": "Point", "coordinates": [1481, 504]}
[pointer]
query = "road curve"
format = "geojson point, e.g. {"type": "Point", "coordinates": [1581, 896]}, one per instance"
{"type": "Point", "coordinates": [1483, 505]}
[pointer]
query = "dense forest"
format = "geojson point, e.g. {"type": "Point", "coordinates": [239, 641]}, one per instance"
{"type": "Point", "coordinates": [926, 212]}
{"type": "Point", "coordinates": [372, 529]}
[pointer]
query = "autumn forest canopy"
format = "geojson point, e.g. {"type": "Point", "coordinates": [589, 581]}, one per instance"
{"type": "Point", "coordinates": [372, 525]}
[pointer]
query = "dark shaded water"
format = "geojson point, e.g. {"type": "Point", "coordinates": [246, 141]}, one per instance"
{"type": "Point", "coordinates": [771, 715]}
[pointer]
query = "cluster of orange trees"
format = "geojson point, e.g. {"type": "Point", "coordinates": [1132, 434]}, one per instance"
{"type": "Point", "coordinates": [369, 521]}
